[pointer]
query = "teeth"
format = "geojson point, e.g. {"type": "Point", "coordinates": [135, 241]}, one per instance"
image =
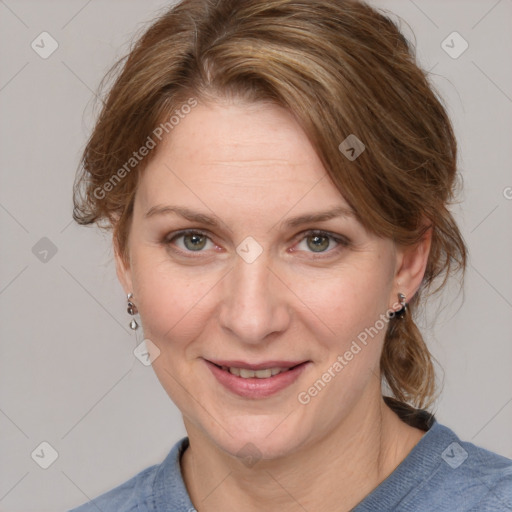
{"type": "Point", "coordinates": [263, 374]}
{"type": "Point", "coordinates": [259, 374]}
{"type": "Point", "coordinates": [235, 371]}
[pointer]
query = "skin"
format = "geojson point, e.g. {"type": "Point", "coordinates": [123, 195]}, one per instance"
{"type": "Point", "coordinates": [252, 168]}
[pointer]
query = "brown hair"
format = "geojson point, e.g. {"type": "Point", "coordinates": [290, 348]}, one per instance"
{"type": "Point", "coordinates": [340, 67]}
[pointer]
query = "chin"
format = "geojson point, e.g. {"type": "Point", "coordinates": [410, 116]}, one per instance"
{"type": "Point", "coordinates": [254, 439]}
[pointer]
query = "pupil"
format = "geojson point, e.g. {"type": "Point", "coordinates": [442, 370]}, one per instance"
{"type": "Point", "coordinates": [194, 242]}
{"type": "Point", "coordinates": [318, 243]}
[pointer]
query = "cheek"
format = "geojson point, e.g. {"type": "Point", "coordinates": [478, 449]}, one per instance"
{"type": "Point", "coordinates": [170, 302]}
{"type": "Point", "coordinates": [349, 311]}
{"type": "Point", "coordinates": [332, 308]}
{"type": "Point", "coordinates": [346, 302]}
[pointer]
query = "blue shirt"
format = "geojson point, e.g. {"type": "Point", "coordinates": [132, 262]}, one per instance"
{"type": "Point", "coordinates": [441, 473]}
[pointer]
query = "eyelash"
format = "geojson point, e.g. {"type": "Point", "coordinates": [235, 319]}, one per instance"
{"type": "Point", "coordinates": [341, 241]}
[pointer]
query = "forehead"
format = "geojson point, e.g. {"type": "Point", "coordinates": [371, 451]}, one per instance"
{"type": "Point", "coordinates": [244, 153]}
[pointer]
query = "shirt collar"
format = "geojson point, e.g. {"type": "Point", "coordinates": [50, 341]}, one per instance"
{"type": "Point", "coordinates": [170, 494]}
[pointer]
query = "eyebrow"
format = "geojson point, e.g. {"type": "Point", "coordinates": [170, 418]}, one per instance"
{"type": "Point", "coordinates": [213, 221]}
{"type": "Point", "coordinates": [186, 213]}
{"type": "Point", "coordinates": [308, 218]}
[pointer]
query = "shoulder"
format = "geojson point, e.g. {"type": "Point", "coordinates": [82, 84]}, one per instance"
{"type": "Point", "coordinates": [144, 491]}
{"type": "Point", "coordinates": [127, 497]}
{"type": "Point", "coordinates": [442, 473]}
{"type": "Point", "coordinates": [463, 476]}
{"type": "Point", "coordinates": [484, 476]}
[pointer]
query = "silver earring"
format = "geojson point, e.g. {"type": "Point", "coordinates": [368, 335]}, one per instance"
{"type": "Point", "coordinates": [403, 302]}
{"type": "Point", "coordinates": [132, 310]}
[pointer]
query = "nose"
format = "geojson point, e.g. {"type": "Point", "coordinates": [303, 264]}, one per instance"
{"type": "Point", "coordinates": [254, 304]}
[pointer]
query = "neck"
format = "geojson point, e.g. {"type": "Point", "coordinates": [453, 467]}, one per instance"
{"type": "Point", "coordinates": [369, 444]}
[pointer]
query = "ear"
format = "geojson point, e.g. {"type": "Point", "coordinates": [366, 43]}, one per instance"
{"type": "Point", "coordinates": [123, 269]}
{"type": "Point", "coordinates": [411, 265]}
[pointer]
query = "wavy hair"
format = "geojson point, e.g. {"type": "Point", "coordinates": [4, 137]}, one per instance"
{"type": "Point", "coordinates": [340, 67]}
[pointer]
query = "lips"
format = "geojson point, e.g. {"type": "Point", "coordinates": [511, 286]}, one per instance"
{"type": "Point", "coordinates": [261, 370]}
{"type": "Point", "coordinates": [256, 366]}
{"type": "Point", "coordinates": [256, 380]}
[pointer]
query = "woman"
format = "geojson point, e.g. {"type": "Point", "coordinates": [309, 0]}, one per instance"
{"type": "Point", "coordinates": [277, 175]}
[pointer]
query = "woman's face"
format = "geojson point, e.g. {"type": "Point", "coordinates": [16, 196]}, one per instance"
{"type": "Point", "coordinates": [244, 254]}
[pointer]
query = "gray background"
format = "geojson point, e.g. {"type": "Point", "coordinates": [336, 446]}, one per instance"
{"type": "Point", "coordinates": [68, 375]}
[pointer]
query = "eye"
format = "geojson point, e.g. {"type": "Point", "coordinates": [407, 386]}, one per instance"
{"type": "Point", "coordinates": [321, 242]}
{"type": "Point", "coordinates": [191, 241]}
{"type": "Point", "coordinates": [314, 241]}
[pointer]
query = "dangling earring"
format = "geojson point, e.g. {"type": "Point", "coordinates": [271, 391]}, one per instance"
{"type": "Point", "coordinates": [132, 310]}
{"type": "Point", "coordinates": [403, 302]}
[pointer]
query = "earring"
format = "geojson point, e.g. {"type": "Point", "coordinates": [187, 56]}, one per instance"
{"type": "Point", "coordinates": [132, 310]}
{"type": "Point", "coordinates": [403, 302]}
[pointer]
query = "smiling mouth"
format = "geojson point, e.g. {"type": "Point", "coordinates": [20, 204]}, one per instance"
{"type": "Point", "coordinates": [256, 381]}
{"type": "Point", "coordinates": [262, 373]}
